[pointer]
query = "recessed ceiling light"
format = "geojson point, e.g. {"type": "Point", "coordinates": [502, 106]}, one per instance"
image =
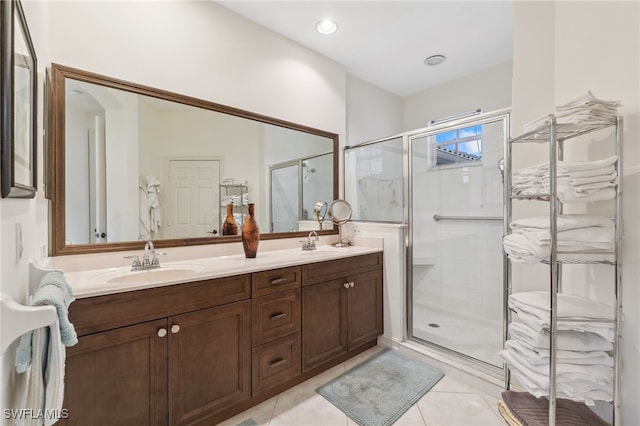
{"type": "Point", "coordinates": [434, 60]}
{"type": "Point", "coordinates": [327, 26]}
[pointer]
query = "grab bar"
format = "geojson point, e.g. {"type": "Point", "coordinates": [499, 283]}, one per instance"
{"type": "Point", "coordinates": [438, 218]}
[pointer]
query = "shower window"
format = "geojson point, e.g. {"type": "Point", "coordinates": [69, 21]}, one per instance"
{"type": "Point", "coordinates": [458, 146]}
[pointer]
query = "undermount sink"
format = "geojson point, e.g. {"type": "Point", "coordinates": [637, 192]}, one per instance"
{"type": "Point", "coordinates": [162, 274]}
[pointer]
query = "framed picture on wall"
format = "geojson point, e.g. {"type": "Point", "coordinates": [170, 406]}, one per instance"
{"type": "Point", "coordinates": [18, 77]}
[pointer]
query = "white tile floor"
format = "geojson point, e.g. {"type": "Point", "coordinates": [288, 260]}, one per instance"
{"type": "Point", "coordinates": [449, 402]}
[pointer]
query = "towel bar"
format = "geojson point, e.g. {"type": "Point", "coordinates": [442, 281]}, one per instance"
{"type": "Point", "coordinates": [17, 319]}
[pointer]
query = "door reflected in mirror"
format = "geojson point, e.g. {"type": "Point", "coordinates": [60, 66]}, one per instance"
{"type": "Point", "coordinates": [139, 163]}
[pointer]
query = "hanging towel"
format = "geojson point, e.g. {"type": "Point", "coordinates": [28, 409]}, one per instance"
{"type": "Point", "coordinates": [149, 206]}
{"type": "Point", "coordinates": [52, 290]}
{"type": "Point", "coordinates": [41, 352]}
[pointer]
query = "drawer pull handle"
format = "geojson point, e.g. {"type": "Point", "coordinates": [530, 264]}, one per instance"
{"type": "Point", "coordinates": [351, 284]}
{"type": "Point", "coordinates": [277, 363]}
{"type": "Point", "coordinates": [175, 328]}
{"type": "Point", "coordinates": [346, 285]}
{"type": "Point", "coordinates": [162, 332]}
{"type": "Point", "coordinates": [276, 317]}
{"type": "Point", "coordinates": [277, 281]}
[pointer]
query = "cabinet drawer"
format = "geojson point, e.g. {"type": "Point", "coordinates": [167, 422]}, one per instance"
{"type": "Point", "coordinates": [275, 316]}
{"type": "Point", "coordinates": [100, 313]}
{"type": "Point", "coordinates": [275, 280]}
{"type": "Point", "coordinates": [275, 362]}
{"type": "Point", "coordinates": [334, 269]}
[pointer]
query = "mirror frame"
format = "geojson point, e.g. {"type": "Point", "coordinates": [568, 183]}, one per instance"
{"type": "Point", "coordinates": [55, 161]}
{"type": "Point", "coordinates": [12, 22]}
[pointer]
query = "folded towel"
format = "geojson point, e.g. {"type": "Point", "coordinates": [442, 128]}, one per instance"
{"type": "Point", "coordinates": [564, 222]}
{"type": "Point", "coordinates": [567, 340]}
{"type": "Point", "coordinates": [52, 290]}
{"type": "Point", "coordinates": [570, 383]}
{"type": "Point", "coordinates": [508, 415]}
{"type": "Point", "coordinates": [569, 306]}
{"type": "Point", "coordinates": [531, 411]}
{"type": "Point", "coordinates": [543, 356]}
{"type": "Point", "coordinates": [574, 313]}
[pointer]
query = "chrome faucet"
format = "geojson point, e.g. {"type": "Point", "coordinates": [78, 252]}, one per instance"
{"type": "Point", "coordinates": [310, 244]}
{"type": "Point", "coordinates": [149, 258]}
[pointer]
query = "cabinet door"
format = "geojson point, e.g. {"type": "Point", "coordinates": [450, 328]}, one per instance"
{"type": "Point", "coordinates": [324, 323]}
{"type": "Point", "coordinates": [209, 361]}
{"type": "Point", "coordinates": [118, 377]}
{"type": "Point", "coordinates": [364, 299]}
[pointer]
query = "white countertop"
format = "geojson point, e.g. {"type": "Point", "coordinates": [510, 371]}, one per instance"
{"type": "Point", "coordinates": [101, 281]}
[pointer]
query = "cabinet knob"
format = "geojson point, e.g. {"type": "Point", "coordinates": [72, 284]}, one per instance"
{"type": "Point", "coordinates": [351, 284]}
{"type": "Point", "coordinates": [175, 328]}
{"type": "Point", "coordinates": [346, 285]}
{"type": "Point", "coordinates": [162, 332]}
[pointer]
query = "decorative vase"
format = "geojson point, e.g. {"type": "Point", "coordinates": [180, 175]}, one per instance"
{"type": "Point", "coordinates": [250, 233]}
{"type": "Point", "coordinates": [229, 226]}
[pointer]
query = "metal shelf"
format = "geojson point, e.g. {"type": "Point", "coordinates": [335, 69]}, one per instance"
{"type": "Point", "coordinates": [555, 134]}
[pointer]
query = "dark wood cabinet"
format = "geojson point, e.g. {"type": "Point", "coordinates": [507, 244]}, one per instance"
{"type": "Point", "coordinates": [200, 352]}
{"type": "Point", "coordinates": [209, 361]}
{"type": "Point", "coordinates": [118, 377]}
{"type": "Point", "coordinates": [342, 313]}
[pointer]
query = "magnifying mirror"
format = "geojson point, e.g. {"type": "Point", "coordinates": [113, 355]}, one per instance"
{"type": "Point", "coordinates": [319, 212]}
{"type": "Point", "coordinates": [340, 213]}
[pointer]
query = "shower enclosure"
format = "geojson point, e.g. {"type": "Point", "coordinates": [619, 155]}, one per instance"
{"type": "Point", "coordinates": [451, 178]}
{"type": "Point", "coordinates": [295, 187]}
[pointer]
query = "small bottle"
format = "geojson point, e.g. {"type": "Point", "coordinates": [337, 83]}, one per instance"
{"type": "Point", "coordinates": [229, 226]}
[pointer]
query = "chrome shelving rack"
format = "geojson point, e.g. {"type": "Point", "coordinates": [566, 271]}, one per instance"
{"type": "Point", "coordinates": [556, 134]}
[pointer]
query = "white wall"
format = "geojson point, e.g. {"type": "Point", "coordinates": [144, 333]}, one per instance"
{"type": "Point", "coordinates": [372, 113]}
{"type": "Point", "coordinates": [489, 89]}
{"type": "Point", "coordinates": [194, 48]}
{"type": "Point", "coordinates": [561, 50]}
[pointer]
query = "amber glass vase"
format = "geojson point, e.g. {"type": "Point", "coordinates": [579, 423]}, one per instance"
{"type": "Point", "coordinates": [250, 233]}
{"type": "Point", "coordinates": [229, 226]}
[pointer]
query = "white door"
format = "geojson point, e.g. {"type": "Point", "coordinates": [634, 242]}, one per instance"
{"type": "Point", "coordinates": [194, 194]}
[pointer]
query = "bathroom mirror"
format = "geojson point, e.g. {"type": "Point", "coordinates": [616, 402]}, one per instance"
{"type": "Point", "coordinates": [131, 162]}
{"type": "Point", "coordinates": [340, 213]}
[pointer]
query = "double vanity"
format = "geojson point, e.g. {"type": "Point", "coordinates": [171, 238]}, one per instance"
{"type": "Point", "coordinates": [197, 341]}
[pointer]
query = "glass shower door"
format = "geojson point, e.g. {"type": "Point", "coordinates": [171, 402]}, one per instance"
{"type": "Point", "coordinates": [456, 232]}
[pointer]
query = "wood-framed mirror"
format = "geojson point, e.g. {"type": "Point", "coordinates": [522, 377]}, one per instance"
{"type": "Point", "coordinates": [128, 162]}
{"type": "Point", "coordinates": [18, 104]}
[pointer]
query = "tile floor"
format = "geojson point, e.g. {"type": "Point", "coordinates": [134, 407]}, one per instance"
{"type": "Point", "coordinates": [449, 402]}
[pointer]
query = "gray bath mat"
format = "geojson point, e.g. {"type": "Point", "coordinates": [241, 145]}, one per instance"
{"type": "Point", "coordinates": [381, 389]}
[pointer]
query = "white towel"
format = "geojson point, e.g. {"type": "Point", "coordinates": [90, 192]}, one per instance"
{"type": "Point", "coordinates": [567, 340]}
{"type": "Point", "coordinates": [543, 356]}
{"type": "Point", "coordinates": [536, 383]}
{"type": "Point", "coordinates": [149, 206]}
{"type": "Point", "coordinates": [564, 222]}
{"type": "Point", "coordinates": [569, 306]}
{"type": "Point", "coordinates": [45, 376]}
{"type": "Point", "coordinates": [533, 309]}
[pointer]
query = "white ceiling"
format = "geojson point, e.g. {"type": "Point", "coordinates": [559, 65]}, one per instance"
{"type": "Point", "coordinates": [386, 42]}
